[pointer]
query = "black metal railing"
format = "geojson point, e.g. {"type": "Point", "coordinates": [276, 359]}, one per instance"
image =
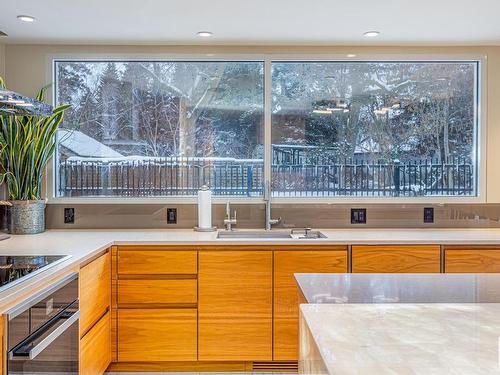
{"type": "Point", "coordinates": [239, 177]}
{"type": "Point", "coordinates": [359, 178]}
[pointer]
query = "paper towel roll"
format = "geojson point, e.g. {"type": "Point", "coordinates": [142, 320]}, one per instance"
{"type": "Point", "coordinates": [204, 208]}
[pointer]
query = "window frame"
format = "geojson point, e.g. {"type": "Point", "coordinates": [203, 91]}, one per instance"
{"type": "Point", "coordinates": [267, 59]}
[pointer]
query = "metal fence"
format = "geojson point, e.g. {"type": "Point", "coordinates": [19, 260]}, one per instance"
{"type": "Point", "coordinates": [234, 177]}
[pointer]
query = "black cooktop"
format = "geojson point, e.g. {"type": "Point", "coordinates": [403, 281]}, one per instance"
{"type": "Point", "coordinates": [14, 268]}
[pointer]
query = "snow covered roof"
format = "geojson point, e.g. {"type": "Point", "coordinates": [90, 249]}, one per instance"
{"type": "Point", "coordinates": [85, 146]}
{"type": "Point", "coordinates": [163, 160]}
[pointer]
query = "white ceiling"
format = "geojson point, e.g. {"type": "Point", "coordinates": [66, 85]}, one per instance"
{"type": "Point", "coordinates": [252, 21]}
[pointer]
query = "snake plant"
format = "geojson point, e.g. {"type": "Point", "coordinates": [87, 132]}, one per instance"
{"type": "Point", "coordinates": [27, 143]}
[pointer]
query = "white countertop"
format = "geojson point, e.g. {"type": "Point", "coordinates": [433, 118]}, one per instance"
{"type": "Point", "coordinates": [84, 244]}
{"type": "Point", "coordinates": [77, 242]}
{"type": "Point", "coordinates": [409, 339]}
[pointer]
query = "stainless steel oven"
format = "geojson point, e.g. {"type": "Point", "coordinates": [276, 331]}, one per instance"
{"type": "Point", "coordinates": [43, 331]}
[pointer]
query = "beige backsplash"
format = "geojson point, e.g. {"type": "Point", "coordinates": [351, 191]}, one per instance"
{"type": "Point", "coordinates": [294, 215]}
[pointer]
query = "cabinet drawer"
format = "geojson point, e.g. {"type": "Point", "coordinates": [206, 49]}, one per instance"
{"type": "Point", "coordinates": [157, 335]}
{"type": "Point", "coordinates": [157, 291]}
{"type": "Point", "coordinates": [472, 261]}
{"type": "Point", "coordinates": [95, 348]}
{"type": "Point", "coordinates": [397, 259]}
{"type": "Point", "coordinates": [139, 261]}
{"type": "Point", "coordinates": [95, 291]}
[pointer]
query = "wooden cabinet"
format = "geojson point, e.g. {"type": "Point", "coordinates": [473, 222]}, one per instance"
{"type": "Point", "coordinates": [95, 316]}
{"type": "Point", "coordinates": [471, 259]}
{"type": "Point", "coordinates": [235, 305]}
{"type": "Point", "coordinates": [396, 259]}
{"type": "Point", "coordinates": [286, 312]}
{"type": "Point", "coordinates": [157, 292]}
{"type": "Point", "coordinates": [149, 335]}
{"type": "Point", "coordinates": [95, 353]}
{"type": "Point", "coordinates": [155, 260]}
{"type": "Point", "coordinates": [156, 304]}
{"type": "Point", "coordinates": [95, 291]}
{"type": "Point", "coordinates": [3, 346]}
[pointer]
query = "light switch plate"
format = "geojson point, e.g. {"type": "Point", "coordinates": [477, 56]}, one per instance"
{"type": "Point", "coordinates": [428, 215]}
{"type": "Point", "coordinates": [171, 215]}
{"type": "Point", "coordinates": [358, 215]}
{"type": "Point", "coordinates": [69, 215]}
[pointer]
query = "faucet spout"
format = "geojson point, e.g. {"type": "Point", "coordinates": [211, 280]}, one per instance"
{"type": "Point", "coordinates": [228, 221]}
{"type": "Point", "coordinates": [267, 201]}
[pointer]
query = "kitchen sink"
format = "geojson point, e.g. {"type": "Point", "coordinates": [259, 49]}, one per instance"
{"type": "Point", "coordinates": [271, 234]}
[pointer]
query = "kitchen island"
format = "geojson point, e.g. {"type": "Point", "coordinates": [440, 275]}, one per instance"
{"type": "Point", "coordinates": [431, 339]}
{"type": "Point", "coordinates": [399, 324]}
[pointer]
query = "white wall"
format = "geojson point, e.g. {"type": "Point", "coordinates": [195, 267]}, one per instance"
{"type": "Point", "coordinates": [2, 60]}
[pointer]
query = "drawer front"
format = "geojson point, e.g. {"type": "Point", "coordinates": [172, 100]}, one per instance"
{"type": "Point", "coordinates": [139, 261]}
{"type": "Point", "coordinates": [146, 335]}
{"type": "Point", "coordinates": [95, 348]}
{"type": "Point", "coordinates": [157, 292]}
{"type": "Point", "coordinates": [472, 261]}
{"type": "Point", "coordinates": [95, 291]}
{"type": "Point", "coordinates": [396, 259]}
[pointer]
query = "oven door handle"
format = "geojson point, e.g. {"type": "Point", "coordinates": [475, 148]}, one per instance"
{"type": "Point", "coordinates": [43, 344]}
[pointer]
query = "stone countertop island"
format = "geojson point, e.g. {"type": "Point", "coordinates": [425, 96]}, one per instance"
{"type": "Point", "coordinates": [400, 339]}
{"type": "Point", "coordinates": [400, 324]}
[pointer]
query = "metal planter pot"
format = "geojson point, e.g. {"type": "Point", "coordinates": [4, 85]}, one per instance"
{"type": "Point", "coordinates": [27, 217]}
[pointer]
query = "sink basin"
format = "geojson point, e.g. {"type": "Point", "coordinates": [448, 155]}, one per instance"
{"type": "Point", "coordinates": [264, 234]}
{"type": "Point", "coordinates": [269, 234]}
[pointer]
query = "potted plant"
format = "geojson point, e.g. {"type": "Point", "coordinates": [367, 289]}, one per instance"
{"type": "Point", "coordinates": [27, 143]}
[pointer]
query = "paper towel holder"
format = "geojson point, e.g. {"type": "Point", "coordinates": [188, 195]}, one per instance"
{"type": "Point", "coordinates": [211, 229]}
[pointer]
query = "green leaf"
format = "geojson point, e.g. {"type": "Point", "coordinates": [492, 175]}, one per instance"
{"type": "Point", "coordinates": [27, 143]}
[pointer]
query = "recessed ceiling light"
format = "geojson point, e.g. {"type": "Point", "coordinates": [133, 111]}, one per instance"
{"type": "Point", "coordinates": [371, 34]}
{"type": "Point", "coordinates": [351, 55]}
{"type": "Point", "coordinates": [205, 34]}
{"type": "Point", "coordinates": [25, 18]}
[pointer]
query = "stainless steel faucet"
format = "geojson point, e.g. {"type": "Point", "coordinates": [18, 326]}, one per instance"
{"type": "Point", "coordinates": [228, 222]}
{"type": "Point", "coordinates": [267, 200]}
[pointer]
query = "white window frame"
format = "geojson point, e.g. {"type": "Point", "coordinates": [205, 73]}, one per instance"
{"type": "Point", "coordinates": [268, 59]}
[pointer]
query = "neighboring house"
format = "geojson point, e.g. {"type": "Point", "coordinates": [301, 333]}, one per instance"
{"type": "Point", "coordinates": [75, 143]}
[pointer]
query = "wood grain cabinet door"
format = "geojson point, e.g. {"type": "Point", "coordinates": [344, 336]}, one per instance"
{"type": "Point", "coordinates": [2, 346]}
{"type": "Point", "coordinates": [95, 348]}
{"type": "Point", "coordinates": [154, 335]}
{"type": "Point", "coordinates": [472, 260]}
{"type": "Point", "coordinates": [396, 259]}
{"type": "Point", "coordinates": [286, 303]}
{"type": "Point", "coordinates": [235, 305]}
{"type": "Point", "coordinates": [95, 291]}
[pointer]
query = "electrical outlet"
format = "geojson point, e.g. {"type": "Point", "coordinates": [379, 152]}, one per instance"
{"type": "Point", "coordinates": [428, 214]}
{"type": "Point", "coordinates": [358, 215]}
{"type": "Point", "coordinates": [171, 215]}
{"type": "Point", "coordinates": [69, 215]}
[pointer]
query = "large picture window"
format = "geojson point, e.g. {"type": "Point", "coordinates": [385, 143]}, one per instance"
{"type": "Point", "coordinates": [148, 128]}
{"type": "Point", "coordinates": [338, 128]}
{"type": "Point", "coordinates": [374, 129]}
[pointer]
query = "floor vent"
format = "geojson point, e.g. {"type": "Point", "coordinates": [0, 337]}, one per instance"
{"type": "Point", "coordinates": [276, 366]}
